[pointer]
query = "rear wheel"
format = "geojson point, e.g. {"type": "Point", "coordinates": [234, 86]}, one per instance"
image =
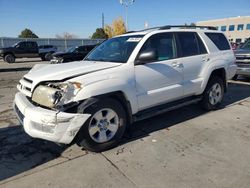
{"type": "Point", "coordinates": [105, 127]}
{"type": "Point", "coordinates": [235, 77]}
{"type": "Point", "coordinates": [9, 58]}
{"type": "Point", "coordinates": [213, 94]}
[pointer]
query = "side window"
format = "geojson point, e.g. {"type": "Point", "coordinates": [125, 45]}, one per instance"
{"type": "Point", "coordinates": [81, 49]}
{"type": "Point", "coordinates": [22, 45]}
{"type": "Point", "coordinates": [163, 44]}
{"type": "Point", "coordinates": [29, 45]}
{"type": "Point", "coordinates": [188, 44]}
{"type": "Point", "coordinates": [219, 40]}
{"type": "Point", "coordinates": [201, 46]}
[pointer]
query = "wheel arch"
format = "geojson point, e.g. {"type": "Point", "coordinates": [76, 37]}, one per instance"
{"type": "Point", "coordinates": [8, 53]}
{"type": "Point", "coordinates": [117, 95]}
{"type": "Point", "coordinates": [219, 72]}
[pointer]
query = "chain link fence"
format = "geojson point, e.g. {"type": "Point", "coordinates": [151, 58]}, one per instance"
{"type": "Point", "coordinates": [61, 44]}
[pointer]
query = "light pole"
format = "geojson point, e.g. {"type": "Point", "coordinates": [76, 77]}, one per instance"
{"type": "Point", "coordinates": [126, 3]}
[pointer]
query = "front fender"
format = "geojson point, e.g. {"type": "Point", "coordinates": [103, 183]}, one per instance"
{"type": "Point", "coordinates": [127, 87]}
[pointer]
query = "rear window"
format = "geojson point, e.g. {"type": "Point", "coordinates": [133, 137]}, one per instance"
{"type": "Point", "coordinates": [219, 40]}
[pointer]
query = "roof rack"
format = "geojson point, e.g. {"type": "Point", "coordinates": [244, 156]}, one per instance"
{"type": "Point", "coordinates": [176, 26]}
{"type": "Point", "coordinates": [187, 27]}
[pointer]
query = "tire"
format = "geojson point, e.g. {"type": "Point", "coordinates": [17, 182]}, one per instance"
{"type": "Point", "coordinates": [43, 58]}
{"type": "Point", "coordinates": [97, 134]}
{"type": "Point", "coordinates": [235, 77]}
{"type": "Point", "coordinates": [213, 94]}
{"type": "Point", "coordinates": [48, 56]}
{"type": "Point", "coordinates": [9, 58]}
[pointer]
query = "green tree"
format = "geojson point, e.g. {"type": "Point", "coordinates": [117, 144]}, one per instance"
{"type": "Point", "coordinates": [99, 34]}
{"type": "Point", "coordinates": [27, 33]}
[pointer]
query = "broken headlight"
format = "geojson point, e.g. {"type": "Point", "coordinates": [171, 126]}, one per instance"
{"type": "Point", "coordinates": [54, 95]}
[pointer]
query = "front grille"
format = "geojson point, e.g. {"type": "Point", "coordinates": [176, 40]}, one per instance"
{"type": "Point", "coordinates": [243, 65]}
{"type": "Point", "coordinates": [25, 85]}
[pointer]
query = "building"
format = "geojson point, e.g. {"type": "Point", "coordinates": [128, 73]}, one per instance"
{"type": "Point", "coordinates": [237, 29]}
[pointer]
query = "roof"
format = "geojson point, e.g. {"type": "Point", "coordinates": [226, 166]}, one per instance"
{"type": "Point", "coordinates": [171, 28]}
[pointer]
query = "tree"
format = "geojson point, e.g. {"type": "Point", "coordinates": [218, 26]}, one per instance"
{"type": "Point", "coordinates": [108, 30]}
{"type": "Point", "coordinates": [27, 33]}
{"type": "Point", "coordinates": [66, 35]}
{"type": "Point", "coordinates": [99, 34]}
{"type": "Point", "coordinates": [118, 26]}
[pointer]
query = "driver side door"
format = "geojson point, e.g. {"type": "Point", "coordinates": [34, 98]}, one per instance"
{"type": "Point", "coordinates": [159, 80]}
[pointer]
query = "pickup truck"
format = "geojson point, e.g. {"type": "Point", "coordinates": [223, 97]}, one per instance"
{"type": "Point", "coordinates": [28, 49]}
{"type": "Point", "coordinates": [243, 60]}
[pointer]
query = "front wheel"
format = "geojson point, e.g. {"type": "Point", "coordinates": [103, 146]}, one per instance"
{"type": "Point", "coordinates": [213, 94]}
{"type": "Point", "coordinates": [48, 56]}
{"type": "Point", "coordinates": [105, 128]}
{"type": "Point", "coordinates": [9, 58]}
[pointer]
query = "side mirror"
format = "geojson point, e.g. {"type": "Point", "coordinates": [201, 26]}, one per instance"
{"type": "Point", "coordinates": [17, 46]}
{"type": "Point", "coordinates": [146, 56]}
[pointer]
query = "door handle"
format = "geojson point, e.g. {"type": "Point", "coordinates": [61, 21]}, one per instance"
{"type": "Point", "coordinates": [205, 59]}
{"type": "Point", "coordinates": [177, 65]}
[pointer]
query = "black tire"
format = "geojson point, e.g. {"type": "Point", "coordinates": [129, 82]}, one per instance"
{"type": "Point", "coordinates": [235, 77]}
{"type": "Point", "coordinates": [43, 58]}
{"type": "Point", "coordinates": [84, 138]}
{"type": "Point", "coordinates": [9, 58]}
{"type": "Point", "coordinates": [206, 100]}
{"type": "Point", "coordinates": [48, 56]}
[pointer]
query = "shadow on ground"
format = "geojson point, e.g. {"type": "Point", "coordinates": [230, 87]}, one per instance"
{"type": "Point", "coordinates": [236, 92]}
{"type": "Point", "coordinates": [19, 152]}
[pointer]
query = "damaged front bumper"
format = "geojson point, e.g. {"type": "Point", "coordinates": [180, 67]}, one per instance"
{"type": "Point", "coordinates": [55, 126]}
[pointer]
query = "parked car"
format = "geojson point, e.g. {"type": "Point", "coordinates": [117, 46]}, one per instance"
{"type": "Point", "coordinates": [76, 53]}
{"type": "Point", "coordinates": [125, 79]}
{"type": "Point", "coordinates": [243, 60]}
{"type": "Point", "coordinates": [28, 49]}
{"type": "Point", "coordinates": [46, 51]}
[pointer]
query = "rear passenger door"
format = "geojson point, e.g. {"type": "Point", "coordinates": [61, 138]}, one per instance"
{"type": "Point", "coordinates": [194, 56]}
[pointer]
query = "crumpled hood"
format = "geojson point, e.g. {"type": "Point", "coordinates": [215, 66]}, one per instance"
{"type": "Point", "coordinates": [54, 72]}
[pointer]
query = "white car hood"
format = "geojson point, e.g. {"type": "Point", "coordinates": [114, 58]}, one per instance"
{"type": "Point", "coordinates": [66, 70]}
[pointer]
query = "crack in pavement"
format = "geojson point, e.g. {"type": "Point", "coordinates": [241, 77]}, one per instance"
{"type": "Point", "coordinates": [116, 167]}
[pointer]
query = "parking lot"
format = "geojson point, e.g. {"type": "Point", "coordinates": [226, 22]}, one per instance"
{"type": "Point", "coordinates": [187, 147]}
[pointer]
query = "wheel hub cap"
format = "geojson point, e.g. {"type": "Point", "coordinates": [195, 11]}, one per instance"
{"type": "Point", "coordinates": [215, 94]}
{"type": "Point", "coordinates": [103, 125]}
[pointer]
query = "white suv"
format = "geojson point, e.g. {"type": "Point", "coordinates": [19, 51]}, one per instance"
{"type": "Point", "coordinates": [125, 79]}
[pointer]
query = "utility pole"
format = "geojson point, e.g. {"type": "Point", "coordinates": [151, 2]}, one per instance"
{"type": "Point", "coordinates": [102, 21]}
{"type": "Point", "coordinates": [126, 3]}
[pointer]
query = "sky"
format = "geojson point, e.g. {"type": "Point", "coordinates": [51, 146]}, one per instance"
{"type": "Point", "coordinates": [46, 18]}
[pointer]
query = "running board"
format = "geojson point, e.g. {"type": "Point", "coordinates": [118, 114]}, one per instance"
{"type": "Point", "coordinates": [154, 111]}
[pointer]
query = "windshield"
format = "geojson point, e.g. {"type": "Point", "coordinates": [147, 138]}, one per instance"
{"type": "Point", "coordinates": [246, 46]}
{"type": "Point", "coordinates": [116, 49]}
{"type": "Point", "coordinates": [14, 45]}
{"type": "Point", "coordinates": [71, 49]}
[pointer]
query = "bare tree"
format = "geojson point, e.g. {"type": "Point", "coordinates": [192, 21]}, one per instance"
{"type": "Point", "coordinates": [66, 35]}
